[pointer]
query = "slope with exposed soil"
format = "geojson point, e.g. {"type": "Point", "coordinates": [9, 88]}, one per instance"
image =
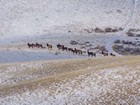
{"type": "Point", "coordinates": [86, 81]}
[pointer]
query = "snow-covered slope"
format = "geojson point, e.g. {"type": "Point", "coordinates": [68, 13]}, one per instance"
{"type": "Point", "coordinates": [36, 17]}
{"type": "Point", "coordinates": [136, 23]}
{"type": "Point", "coordinates": [104, 81]}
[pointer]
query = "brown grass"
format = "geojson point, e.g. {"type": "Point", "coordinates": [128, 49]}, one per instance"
{"type": "Point", "coordinates": [56, 71]}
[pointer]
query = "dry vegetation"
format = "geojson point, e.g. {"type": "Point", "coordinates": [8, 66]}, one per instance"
{"type": "Point", "coordinates": [51, 75]}
{"type": "Point", "coordinates": [125, 47]}
{"type": "Point", "coordinates": [133, 33]}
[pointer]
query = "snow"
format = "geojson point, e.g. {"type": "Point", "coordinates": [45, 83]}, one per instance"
{"type": "Point", "coordinates": [28, 20]}
{"type": "Point", "coordinates": [23, 56]}
{"type": "Point", "coordinates": [6, 72]}
{"type": "Point", "coordinates": [100, 87]}
{"type": "Point", "coordinates": [31, 18]}
{"type": "Point", "coordinates": [11, 52]}
{"type": "Point", "coordinates": [128, 25]}
{"type": "Point", "coordinates": [23, 21]}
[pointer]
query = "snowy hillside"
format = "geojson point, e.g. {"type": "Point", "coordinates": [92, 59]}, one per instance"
{"type": "Point", "coordinates": [136, 23]}
{"type": "Point", "coordinates": [69, 52]}
{"type": "Point", "coordinates": [37, 17]}
{"type": "Point", "coordinates": [104, 81]}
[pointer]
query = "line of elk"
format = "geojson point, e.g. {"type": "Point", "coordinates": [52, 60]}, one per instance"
{"type": "Point", "coordinates": [64, 48]}
{"type": "Point", "coordinates": [74, 51]}
{"type": "Point", "coordinates": [36, 45]}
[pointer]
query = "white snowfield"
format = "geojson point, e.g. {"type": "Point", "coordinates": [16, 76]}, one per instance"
{"type": "Point", "coordinates": [39, 17]}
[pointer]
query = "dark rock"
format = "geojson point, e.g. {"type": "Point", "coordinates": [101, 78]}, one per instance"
{"type": "Point", "coordinates": [73, 42]}
{"type": "Point", "coordinates": [98, 30]}
{"type": "Point", "coordinates": [117, 41]}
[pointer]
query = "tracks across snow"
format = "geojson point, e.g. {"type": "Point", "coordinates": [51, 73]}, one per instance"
{"type": "Point", "coordinates": [122, 35]}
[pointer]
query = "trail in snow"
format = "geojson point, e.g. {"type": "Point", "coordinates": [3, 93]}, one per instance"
{"type": "Point", "coordinates": [65, 15]}
{"type": "Point", "coordinates": [133, 17]}
{"type": "Point", "coordinates": [122, 35]}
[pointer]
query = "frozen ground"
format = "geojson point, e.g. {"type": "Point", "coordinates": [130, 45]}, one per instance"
{"type": "Point", "coordinates": [18, 50]}
{"type": "Point", "coordinates": [26, 56]}
{"type": "Point", "coordinates": [50, 21]}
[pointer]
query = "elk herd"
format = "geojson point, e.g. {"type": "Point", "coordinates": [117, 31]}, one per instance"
{"type": "Point", "coordinates": [70, 50]}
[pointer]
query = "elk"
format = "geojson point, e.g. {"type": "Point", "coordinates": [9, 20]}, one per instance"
{"type": "Point", "coordinates": [49, 46]}
{"type": "Point", "coordinates": [91, 53]}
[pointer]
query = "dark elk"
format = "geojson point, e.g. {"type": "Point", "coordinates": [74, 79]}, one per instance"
{"type": "Point", "coordinates": [80, 52]}
{"type": "Point", "coordinates": [49, 46]}
{"type": "Point", "coordinates": [91, 53]}
{"type": "Point", "coordinates": [104, 53]}
{"type": "Point", "coordinates": [64, 48]}
{"type": "Point", "coordinates": [70, 49]}
{"type": "Point", "coordinates": [59, 46]}
{"type": "Point", "coordinates": [74, 51]}
{"type": "Point", "coordinates": [112, 54]}
{"type": "Point", "coordinates": [39, 45]}
{"type": "Point", "coordinates": [30, 45]}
